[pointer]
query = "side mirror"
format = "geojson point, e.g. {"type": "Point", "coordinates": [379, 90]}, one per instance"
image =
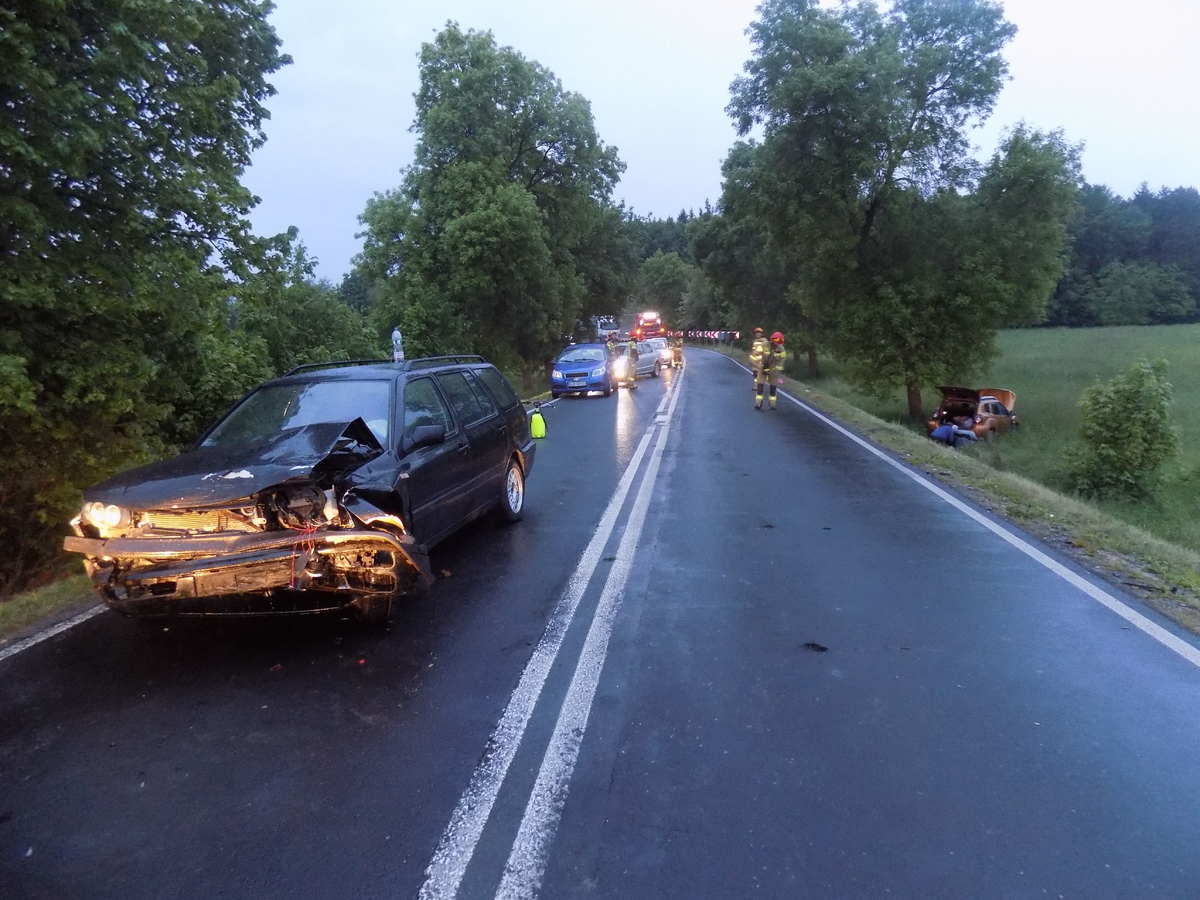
{"type": "Point", "coordinates": [424, 436]}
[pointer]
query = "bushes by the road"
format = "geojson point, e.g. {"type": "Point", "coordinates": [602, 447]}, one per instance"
{"type": "Point", "coordinates": [1127, 433]}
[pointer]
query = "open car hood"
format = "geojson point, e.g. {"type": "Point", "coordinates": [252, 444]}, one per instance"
{"type": "Point", "coordinates": [952, 392]}
{"type": "Point", "coordinates": [211, 476]}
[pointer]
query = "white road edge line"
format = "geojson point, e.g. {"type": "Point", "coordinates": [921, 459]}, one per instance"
{"type": "Point", "coordinates": [1133, 617]}
{"type": "Point", "coordinates": [526, 864]}
{"type": "Point", "coordinates": [50, 632]}
{"type": "Point", "coordinates": [458, 842]}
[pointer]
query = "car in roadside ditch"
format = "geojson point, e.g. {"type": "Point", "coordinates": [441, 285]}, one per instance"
{"type": "Point", "coordinates": [986, 412]}
{"type": "Point", "coordinates": [581, 369]}
{"type": "Point", "coordinates": [318, 491]}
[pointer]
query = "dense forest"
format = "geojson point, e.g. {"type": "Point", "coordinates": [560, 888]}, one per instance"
{"type": "Point", "coordinates": [138, 303]}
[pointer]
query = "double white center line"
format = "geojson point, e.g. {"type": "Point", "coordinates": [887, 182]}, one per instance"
{"type": "Point", "coordinates": [527, 861]}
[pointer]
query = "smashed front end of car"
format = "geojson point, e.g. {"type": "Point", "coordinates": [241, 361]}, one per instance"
{"type": "Point", "coordinates": [303, 529]}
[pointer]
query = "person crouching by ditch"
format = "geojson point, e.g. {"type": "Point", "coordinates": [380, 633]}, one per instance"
{"type": "Point", "coordinates": [771, 373]}
{"type": "Point", "coordinates": [758, 352]}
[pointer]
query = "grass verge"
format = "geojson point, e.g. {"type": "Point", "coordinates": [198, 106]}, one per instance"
{"type": "Point", "coordinates": [33, 608]}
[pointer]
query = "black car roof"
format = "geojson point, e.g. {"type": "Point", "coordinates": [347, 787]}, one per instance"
{"type": "Point", "coordinates": [364, 370]}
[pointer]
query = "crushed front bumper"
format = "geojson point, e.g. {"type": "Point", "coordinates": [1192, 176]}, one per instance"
{"type": "Point", "coordinates": [252, 574]}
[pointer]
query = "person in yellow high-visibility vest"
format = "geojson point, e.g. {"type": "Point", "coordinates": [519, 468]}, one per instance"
{"type": "Point", "coordinates": [758, 352]}
{"type": "Point", "coordinates": [771, 372]}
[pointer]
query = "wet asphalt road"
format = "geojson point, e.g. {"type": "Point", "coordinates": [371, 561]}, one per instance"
{"type": "Point", "coordinates": [809, 677]}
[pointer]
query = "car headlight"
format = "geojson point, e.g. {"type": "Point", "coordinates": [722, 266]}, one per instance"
{"type": "Point", "coordinates": [620, 365]}
{"type": "Point", "coordinates": [556, 374]}
{"type": "Point", "coordinates": [105, 516]}
{"type": "Point", "coordinates": [597, 372]}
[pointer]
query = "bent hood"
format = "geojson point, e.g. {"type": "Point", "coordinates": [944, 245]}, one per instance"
{"type": "Point", "coordinates": [211, 476]}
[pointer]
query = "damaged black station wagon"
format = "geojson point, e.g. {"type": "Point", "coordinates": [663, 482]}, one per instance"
{"type": "Point", "coordinates": [319, 490]}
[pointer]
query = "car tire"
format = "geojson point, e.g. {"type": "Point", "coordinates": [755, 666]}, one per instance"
{"type": "Point", "coordinates": [512, 493]}
{"type": "Point", "coordinates": [608, 388]}
{"type": "Point", "coordinates": [554, 395]}
{"type": "Point", "coordinates": [374, 612]}
{"type": "Point", "coordinates": [657, 369]}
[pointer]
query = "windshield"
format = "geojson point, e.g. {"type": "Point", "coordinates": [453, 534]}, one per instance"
{"type": "Point", "coordinates": [582, 354]}
{"type": "Point", "coordinates": [282, 407]}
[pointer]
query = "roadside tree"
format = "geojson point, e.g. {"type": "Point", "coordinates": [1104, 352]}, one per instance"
{"type": "Point", "coordinates": [907, 255]}
{"type": "Point", "coordinates": [126, 127]}
{"type": "Point", "coordinates": [502, 235]}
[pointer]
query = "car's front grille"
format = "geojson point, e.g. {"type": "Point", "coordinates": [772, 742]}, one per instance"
{"type": "Point", "coordinates": [577, 374]}
{"type": "Point", "coordinates": [206, 521]}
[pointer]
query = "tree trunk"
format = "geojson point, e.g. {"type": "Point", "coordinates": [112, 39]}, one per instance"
{"type": "Point", "coordinates": [814, 366]}
{"type": "Point", "coordinates": [916, 410]}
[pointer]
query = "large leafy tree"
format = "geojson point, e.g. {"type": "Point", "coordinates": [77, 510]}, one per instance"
{"type": "Point", "coordinates": [953, 267]}
{"type": "Point", "coordinates": [124, 130]}
{"type": "Point", "coordinates": [896, 244]}
{"type": "Point", "coordinates": [502, 236]}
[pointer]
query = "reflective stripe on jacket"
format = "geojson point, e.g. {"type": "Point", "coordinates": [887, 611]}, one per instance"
{"type": "Point", "coordinates": [758, 351]}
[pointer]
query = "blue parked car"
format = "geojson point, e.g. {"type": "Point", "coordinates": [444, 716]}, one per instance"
{"type": "Point", "coordinates": [581, 368]}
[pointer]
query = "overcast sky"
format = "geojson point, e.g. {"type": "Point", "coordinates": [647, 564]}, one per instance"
{"type": "Point", "coordinates": [1122, 78]}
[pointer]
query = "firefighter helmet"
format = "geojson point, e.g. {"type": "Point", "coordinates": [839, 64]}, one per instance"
{"type": "Point", "coordinates": [777, 337]}
{"type": "Point", "coordinates": [758, 332]}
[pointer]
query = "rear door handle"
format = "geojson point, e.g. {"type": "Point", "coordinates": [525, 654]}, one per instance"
{"type": "Point", "coordinates": [463, 447]}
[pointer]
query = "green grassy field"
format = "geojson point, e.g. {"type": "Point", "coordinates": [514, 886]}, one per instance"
{"type": "Point", "coordinates": [1049, 369]}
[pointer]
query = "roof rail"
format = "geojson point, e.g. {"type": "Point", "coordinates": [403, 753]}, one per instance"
{"type": "Point", "coordinates": [431, 361]}
{"type": "Point", "coordinates": [334, 364]}
{"type": "Point", "coordinates": [426, 362]}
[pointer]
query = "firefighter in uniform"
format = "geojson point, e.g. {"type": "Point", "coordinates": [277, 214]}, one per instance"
{"type": "Point", "coordinates": [758, 352]}
{"type": "Point", "coordinates": [772, 370]}
{"type": "Point", "coordinates": [631, 355]}
{"type": "Point", "coordinates": [676, 344]}
{"type": "Point", "coordinates": [611, 346]}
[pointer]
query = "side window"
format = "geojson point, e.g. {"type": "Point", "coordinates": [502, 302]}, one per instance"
{"type": "Point", "coordinates": [462, 398]}
{"type": "Point", "coordinates": [499, 387]}
{"type": "Point", "coordinates": [481, 394]}
{"type": "Point", "coordinates": [424, 406]}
